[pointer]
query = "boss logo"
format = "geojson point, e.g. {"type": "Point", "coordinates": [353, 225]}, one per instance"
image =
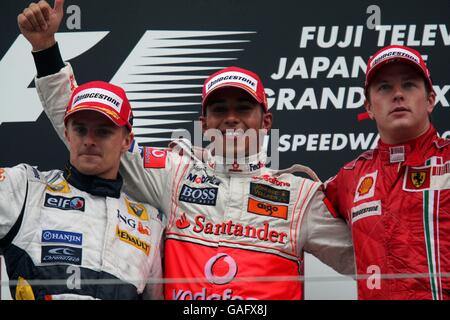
{"type": "Point", "coordinates": [203, 196]}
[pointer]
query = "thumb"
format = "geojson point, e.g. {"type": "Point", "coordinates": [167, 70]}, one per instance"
{"type": "Point", "coordinates": [59, 7]}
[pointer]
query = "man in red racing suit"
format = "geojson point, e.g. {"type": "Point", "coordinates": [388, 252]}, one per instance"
{"type": "Point", "coordinates": [396, 197]}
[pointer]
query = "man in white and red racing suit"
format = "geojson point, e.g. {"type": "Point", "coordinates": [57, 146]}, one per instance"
{"type": "Point", "coordinates": [396, 197]}
{"type": "Point", "coordinates": [235, 231]}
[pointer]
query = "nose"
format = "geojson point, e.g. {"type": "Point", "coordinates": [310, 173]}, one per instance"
{"type": "Point", "coordinates": [89, 138]}
{"type": "Point", "coordinates": [231, 118]}
{"type": "Point", "coordinates": [398, 93]}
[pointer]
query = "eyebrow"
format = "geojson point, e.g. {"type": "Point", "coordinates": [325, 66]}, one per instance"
{"type": "Point", "coordinates": [103, 125]}
{"type": "Point", "coordinates": [411, 76]}
{"type": "Point", "coordinates": [219, 100]}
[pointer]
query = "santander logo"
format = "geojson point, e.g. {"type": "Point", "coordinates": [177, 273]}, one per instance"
{"type": "Point", "coordinates": [182, 222]}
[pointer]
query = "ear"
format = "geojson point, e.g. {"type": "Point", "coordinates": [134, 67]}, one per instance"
{"type": "Point", "coordinates": [203, 121]}
{"type": "Point", "coordinates": [66, 135]}
{"type": "Point", "coordinates": [128, 139]}
{"type": "Point", "coordinates": [431, 102]}
{"type": "Point", "coordinates": [267, 121]}
{"type": "Point", "coordinates": [368, 107]}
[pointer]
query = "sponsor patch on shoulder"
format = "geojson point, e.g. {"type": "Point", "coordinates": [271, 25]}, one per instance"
{"type": "Point", "coordinates": [154, 158]}
{"type": "Point", "coordinates": [365, 210]}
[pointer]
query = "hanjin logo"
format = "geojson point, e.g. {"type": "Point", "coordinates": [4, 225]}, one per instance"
{"type": "Point", "coordinates": [62, 237]}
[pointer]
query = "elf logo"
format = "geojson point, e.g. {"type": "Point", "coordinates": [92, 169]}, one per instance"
{"type": "Point", "coordinates": [63, 203]}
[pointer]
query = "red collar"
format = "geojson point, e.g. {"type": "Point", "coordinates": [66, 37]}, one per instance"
{"type": "Point", "coordinates": [412, 152]}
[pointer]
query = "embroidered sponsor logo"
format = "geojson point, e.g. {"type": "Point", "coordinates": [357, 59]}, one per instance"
{"type": "Point", "coordinates": [257, 166]}
{"type": "Point", "coordinates": [420, 179]}
{"type": "Point", "coordinates": [441, 170]}
{"type": "Point", "coordinates": [237, 230]}
{"type": "Point", "coordinates": [154, 158]}
{"type": "Point", "coordinates": [235, 76]}
{"type": "Point", "coordinates": [63, 203]}
{"type": "Point", "coordinates": [97, 95]}
{"type": "Point", "coordinates": [269, 193]}
{"type": "Point", "coordinates": [62, 237]}
{"type": "Point", "coordinates": [142, 229]}
{"type": "Point", "coordinates": [132, 240]}
{"type": "Point", "coordinates": [365, 210]}
{"type": "Point", "coordinates": [60, 254]}
{"type": "Point", "coordinates": [203, 179]}
{"type": "Point", "coordinates": [267, 209]}
{"type": "Point", "coordinates": [431, 177]}
{"type": "Point", "coordinates": [366, 186]}
{"type": "Point", "coordinates": [235, 167]}
{"type": "Point", "coordinates": [182, 222]}
{"type": "Point", "coordinates": [272, 180]}
{"type": "Point", "coordinates": [203, 196]}
{"type": "Point", "coordinates": [62, 187]}
{"type": "Point", "coordinates": [393, 53]}
{"type": "Point", "coordinates": [137, 209]}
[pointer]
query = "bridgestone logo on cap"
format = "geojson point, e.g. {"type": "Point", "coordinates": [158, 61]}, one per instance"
{"type": "Point", "coordinates": [236, 77]}
{"type": "Point", "coordinates": [395, 52]}
{"type": "Point", "coordinates": [98, 95]}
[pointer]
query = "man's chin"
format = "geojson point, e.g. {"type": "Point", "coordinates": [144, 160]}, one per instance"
{"type": "Point", "coordinates": [88, 169]}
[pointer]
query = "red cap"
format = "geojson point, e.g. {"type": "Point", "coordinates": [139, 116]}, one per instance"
{"type": "Point", "coordinates": [238, 78]}
{"type": "Point", "coordinates": [103, 97]}
{"type": "Point", "coordinates": [396, 53]}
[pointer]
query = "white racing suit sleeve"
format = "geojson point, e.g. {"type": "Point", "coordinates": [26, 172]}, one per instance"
{"type": "Point", "coordinates": [326, 237]}
{"type": "Point", "coordinates": [13, 186]}
{"type": "Point", "coordinates": [54, 92]}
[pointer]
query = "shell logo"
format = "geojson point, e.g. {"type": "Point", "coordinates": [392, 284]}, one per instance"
{"type": "Point", "coordinates": [365, 186]}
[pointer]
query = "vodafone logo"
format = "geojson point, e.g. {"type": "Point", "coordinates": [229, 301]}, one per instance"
{"type": "Point", "coordinates": [154, 157]}
{"type": "Point", "coordinates": [158, 153]}
{"type": "Point", "coordinates": [228, 277]}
